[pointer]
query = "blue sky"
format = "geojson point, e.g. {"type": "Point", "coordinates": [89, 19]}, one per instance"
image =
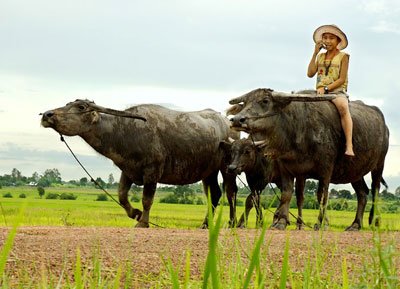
{"type": "Point", "coordinates": [186, 54]}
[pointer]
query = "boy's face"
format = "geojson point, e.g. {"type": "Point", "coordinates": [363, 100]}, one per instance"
{"type": "Point", "coordinates": [330, 41]}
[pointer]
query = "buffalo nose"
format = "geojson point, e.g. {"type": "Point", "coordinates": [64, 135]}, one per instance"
{"type": "Point", "coordinates": [236, 120]}
{"type": "Point", "coordinates": [48, 114]}
{"type": "Point", "coordinates": [231, 168]}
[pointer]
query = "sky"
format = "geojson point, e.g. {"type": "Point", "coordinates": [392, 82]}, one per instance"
{"type": "Point", "coordinates": [185, 54]}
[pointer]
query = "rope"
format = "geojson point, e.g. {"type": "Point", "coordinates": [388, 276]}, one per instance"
{"type": "Point", "coordinates": [95, 182]}
{"type": "Point", "coordinates": [276, 195]}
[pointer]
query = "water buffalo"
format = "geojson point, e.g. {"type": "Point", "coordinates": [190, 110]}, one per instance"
{"type": "Point", "coordinates": [248, 156]}
{"type": "Point", "coordinates": [169, 147]}
{"type": "Point", "coordinates": [307, 138]}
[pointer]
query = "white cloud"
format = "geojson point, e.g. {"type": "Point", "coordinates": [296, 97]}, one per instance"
{"type": "Point", "coordinates": [381, 7]}
{"type": "Point", "coordinates": [384, 26]}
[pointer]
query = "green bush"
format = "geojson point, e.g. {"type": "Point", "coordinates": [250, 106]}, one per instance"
{"type": "Point", "coordinates": [7, 195]}
{"type": "Point", "coordinates": [199, 201]}
{"type": "Point", "coordinates": [68, 196]}
{"type": "Point", "coordinates": [102, 198]}
{"type": "Point", "coordinates": [22, 196]}
{"type": "Point", "coordinates": [52, 196]}
{"type": "Point", "coordinates": [135, 198]}
{"type": "Point", "coordinates": [170, 199]}
{"type": "Point", "coordinates": [40, 191]}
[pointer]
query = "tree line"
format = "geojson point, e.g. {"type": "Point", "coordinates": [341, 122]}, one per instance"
{"type": "Point", "coordinates": [50, 177]}
{"type": "Point", "coordinates": [181, 194]}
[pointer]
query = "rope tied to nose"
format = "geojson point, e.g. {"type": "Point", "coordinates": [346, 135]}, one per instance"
{"type": "Point", "coordinates": [96, 182]}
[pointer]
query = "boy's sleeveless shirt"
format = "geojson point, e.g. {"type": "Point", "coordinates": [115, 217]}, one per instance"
{"type": "Point", "coordinates": [333, 67]}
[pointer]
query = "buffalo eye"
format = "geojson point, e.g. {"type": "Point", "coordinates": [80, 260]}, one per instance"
{"type": "Point", "coordinates": [265, 101]}
{"type": "Point", "coordinates": [81, 107]}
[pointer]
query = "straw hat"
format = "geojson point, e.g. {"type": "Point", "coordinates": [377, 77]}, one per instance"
{"type": "Point", "coordinates": [333, 29]}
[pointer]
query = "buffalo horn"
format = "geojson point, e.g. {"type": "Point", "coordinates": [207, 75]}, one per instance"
{"type": "Point", "coordinates": [301, 96]}
{"type": "Point", "coordinates": [259, 142]}
{"type": "Point", "coordinates": [237, 100]}
{"type": "Point", "coordinates": [231, 140]}
{"type": "Point", "coordinates": [120, 113]}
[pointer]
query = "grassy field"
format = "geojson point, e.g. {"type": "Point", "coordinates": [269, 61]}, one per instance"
{"type": "Point", "coordinates": [380, 269]}
{"type": "Point", "coordinates": [86, 211]}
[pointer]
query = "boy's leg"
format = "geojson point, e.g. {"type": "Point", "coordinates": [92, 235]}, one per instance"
{"type": "Point", "coordinates": [342, 105]}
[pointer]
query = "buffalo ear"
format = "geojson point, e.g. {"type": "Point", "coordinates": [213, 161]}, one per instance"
{"type": "Point", "coordinates": [95, 117]}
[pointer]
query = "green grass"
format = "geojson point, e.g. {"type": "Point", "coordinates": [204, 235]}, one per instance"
{"type": "Point", "coordinates": [220, 271]}
{"type": "Point", "coordinates": [85, 211]}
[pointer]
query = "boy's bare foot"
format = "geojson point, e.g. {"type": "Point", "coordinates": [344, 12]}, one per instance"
{"type": "Point", "coordinates": [349, 153]}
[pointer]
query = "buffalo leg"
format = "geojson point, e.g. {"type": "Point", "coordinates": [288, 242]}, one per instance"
{"type": "Point", "coordinates": [281, 216]}
{"type": "Point", "coordinates": [361, 189]}
{"type": "Point", "coordinates": [299, 191]}
{"type": "Point", "coordinates": [147, 200]}
{"type": "Point", "coordinates": [210, 185]}
{"type": "Point", "coordinates": [250, 201]}
{"type": "Point", "coordinates": [376, 175]}
{"type": "Point", "coordinates": [231, 189]}
{"type": "Point", "coordinates": [123, 189]}
{"type": "Point", "coordinates": [322, 197]}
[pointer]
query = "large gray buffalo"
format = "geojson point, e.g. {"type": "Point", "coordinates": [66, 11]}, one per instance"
{"type": "Point", "coordinates": [247, 156]}
{"type": "Point", "coordinates": [152, 144]}
{"type": "Point", "coordinates": [307, 139]}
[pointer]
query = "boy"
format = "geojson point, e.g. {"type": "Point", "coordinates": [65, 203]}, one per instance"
{"type": "Point", "coordinates": [331, 68]}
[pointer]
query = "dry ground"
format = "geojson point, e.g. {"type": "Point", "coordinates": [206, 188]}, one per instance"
{"type": "Point", "coordinates": [54, 249]}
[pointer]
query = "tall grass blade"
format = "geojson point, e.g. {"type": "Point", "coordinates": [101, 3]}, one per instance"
{"type": "Point", "coordinates": [255, 256]}
{"type": "Point", "coordinates": [117, 280]}
{"type": "Point", "coordinates": [187, 271]}
{"type": "Point", "coordinates": [173, 273]}
{"type": "Point", "coordinates": [78, 271]}
{"type": "Point", "coordinates": [9, 242]}
{"type": "Point", "coordinates": [212, 262]}
{"type": "Point", "coordinates": [285, 265]}
{"type": "Point", "coordinates": [345, 275]}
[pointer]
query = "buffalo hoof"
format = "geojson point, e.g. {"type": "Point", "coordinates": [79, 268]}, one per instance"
{"type": "Point", "coordinates": [280, 225]}
{"type": "Point", "coordinates": [142, 225]}
{"type": "Point", "coordinates": [300, 226]}
{"type": "Point", "coordinates": [135, 214]}
{"type": "Point", "coordinates": [259, 224]}
{"type": "Point", "coordinates": [241, 225]}
{"type": "Point", "coordinates": [353, 228]}
{"type": "Point", "coordinates": [204, 226]}
{"type": "Point", "coordinates": [232, 224]}
{"type": "Point", "coordinates": [318, 227]}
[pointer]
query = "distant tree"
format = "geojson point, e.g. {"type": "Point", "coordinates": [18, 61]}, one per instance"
{"type": "Point", "coordinates": [40, 191]}
{"type": "Point", "coordinates": [53, 175]}
{"type": "Point", "coordinates": [43, 182]}
{"type": "Point", "coordinates": [310, 187]}
{"type": "Point", "coordinates": [100, 182]}
{"type": "Point", "coordinates": [15, 175]}
{"type": "Point", "coordinates": [334, 194]}
{"type": "Point", "coordinates": [345, 194]}
{"type": "Point", "coordinates": [35, 177]}
{"type": "Point", "coordinates": [83, 181]}
{"type": "Point", "coordinates": [387, 195]}
{"type": "Point", "coordinates": [110, 180]}
{"type": "Point", "coordinates": [397, 192]}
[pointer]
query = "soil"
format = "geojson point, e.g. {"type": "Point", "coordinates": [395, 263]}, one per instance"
{"type": "Point", "coordinates": [53, 250]}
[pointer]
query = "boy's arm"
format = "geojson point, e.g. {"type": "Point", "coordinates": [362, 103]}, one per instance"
{"type": "Point", "coordinates": [313, 67]}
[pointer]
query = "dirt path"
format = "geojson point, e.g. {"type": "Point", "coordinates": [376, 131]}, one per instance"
{"type": "Point", "coordinates": [54, 249]}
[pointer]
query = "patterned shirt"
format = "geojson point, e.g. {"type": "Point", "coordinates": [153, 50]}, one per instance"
{"type": "Point", "coordinates": [329, 71]}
